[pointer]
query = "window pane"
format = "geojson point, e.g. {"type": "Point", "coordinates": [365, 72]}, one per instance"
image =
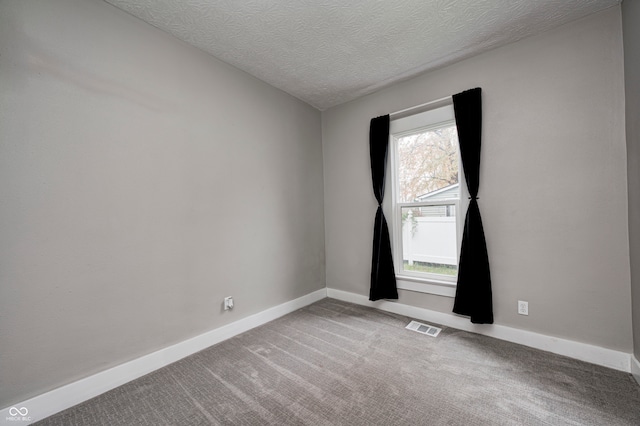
{"type": "Point", "coordinates": [429, 239]}
{"type": "Point", "coordinates": [428, 165]}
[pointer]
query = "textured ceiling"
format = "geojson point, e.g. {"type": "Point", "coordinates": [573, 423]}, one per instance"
{"type": "Point", "coordinates": [327, 52]}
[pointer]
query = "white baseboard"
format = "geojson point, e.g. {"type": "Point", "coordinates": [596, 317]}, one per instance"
{"type": "Point", "coordinates": [582, 351]}
{"type": "Point", "coordinates": [635, 368]}
{"type": "Point", "coordinates": [59, 399]}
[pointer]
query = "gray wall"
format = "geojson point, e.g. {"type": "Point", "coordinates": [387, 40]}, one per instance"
{"type": "Point", "coordinates": [553, 191]}
{"type": "Point", "coordinates": [141, 181]}
{"type": "Point", "coordinates": [631, 31]}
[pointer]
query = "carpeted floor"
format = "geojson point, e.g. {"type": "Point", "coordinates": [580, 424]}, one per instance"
{"type": "Point", "coordinates": [334, 363]}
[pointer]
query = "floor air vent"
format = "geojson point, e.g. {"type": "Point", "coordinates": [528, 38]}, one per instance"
{"type": "Point", "coordinates": [427, 329]}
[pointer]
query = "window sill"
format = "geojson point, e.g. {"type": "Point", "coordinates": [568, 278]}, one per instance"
{"type": "Point", "coordinates": [421, 285]}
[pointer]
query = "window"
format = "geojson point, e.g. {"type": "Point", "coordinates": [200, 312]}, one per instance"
{"type": "Point", "coordinates": [426, 193]}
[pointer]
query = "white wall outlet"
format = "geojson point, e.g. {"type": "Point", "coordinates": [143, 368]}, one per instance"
{"type": "Point", "coordinates": [228, 303]}
{"type": "Point", "coordinates": [523, 307]}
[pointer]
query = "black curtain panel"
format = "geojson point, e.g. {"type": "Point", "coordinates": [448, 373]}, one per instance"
{"type": "Point", "coordinates": [473, 293]}
{"type": "Point", "coordinates": [383, 277]}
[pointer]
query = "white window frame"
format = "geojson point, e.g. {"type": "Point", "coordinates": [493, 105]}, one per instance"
{"type": "Point", "coordinates": [410, 280]}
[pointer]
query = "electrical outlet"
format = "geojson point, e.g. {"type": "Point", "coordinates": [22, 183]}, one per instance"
{"type": "Point", "coordinates": [228, 303]}
{"type": "Point", "coordinates": [523, 307]}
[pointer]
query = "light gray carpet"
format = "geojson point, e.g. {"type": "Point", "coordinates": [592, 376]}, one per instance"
{"type": "Point", "coordinates": [334, 363]}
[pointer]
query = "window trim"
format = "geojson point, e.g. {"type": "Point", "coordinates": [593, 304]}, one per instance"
{"type": "Point", "coordinates": [437, 284]}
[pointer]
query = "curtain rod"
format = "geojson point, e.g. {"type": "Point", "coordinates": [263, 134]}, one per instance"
{"type": "Point", "coordinates": [402, 111]}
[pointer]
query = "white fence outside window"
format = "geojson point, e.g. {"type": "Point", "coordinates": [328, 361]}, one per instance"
{"type": "Point", "coordinates": [429, 240]}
